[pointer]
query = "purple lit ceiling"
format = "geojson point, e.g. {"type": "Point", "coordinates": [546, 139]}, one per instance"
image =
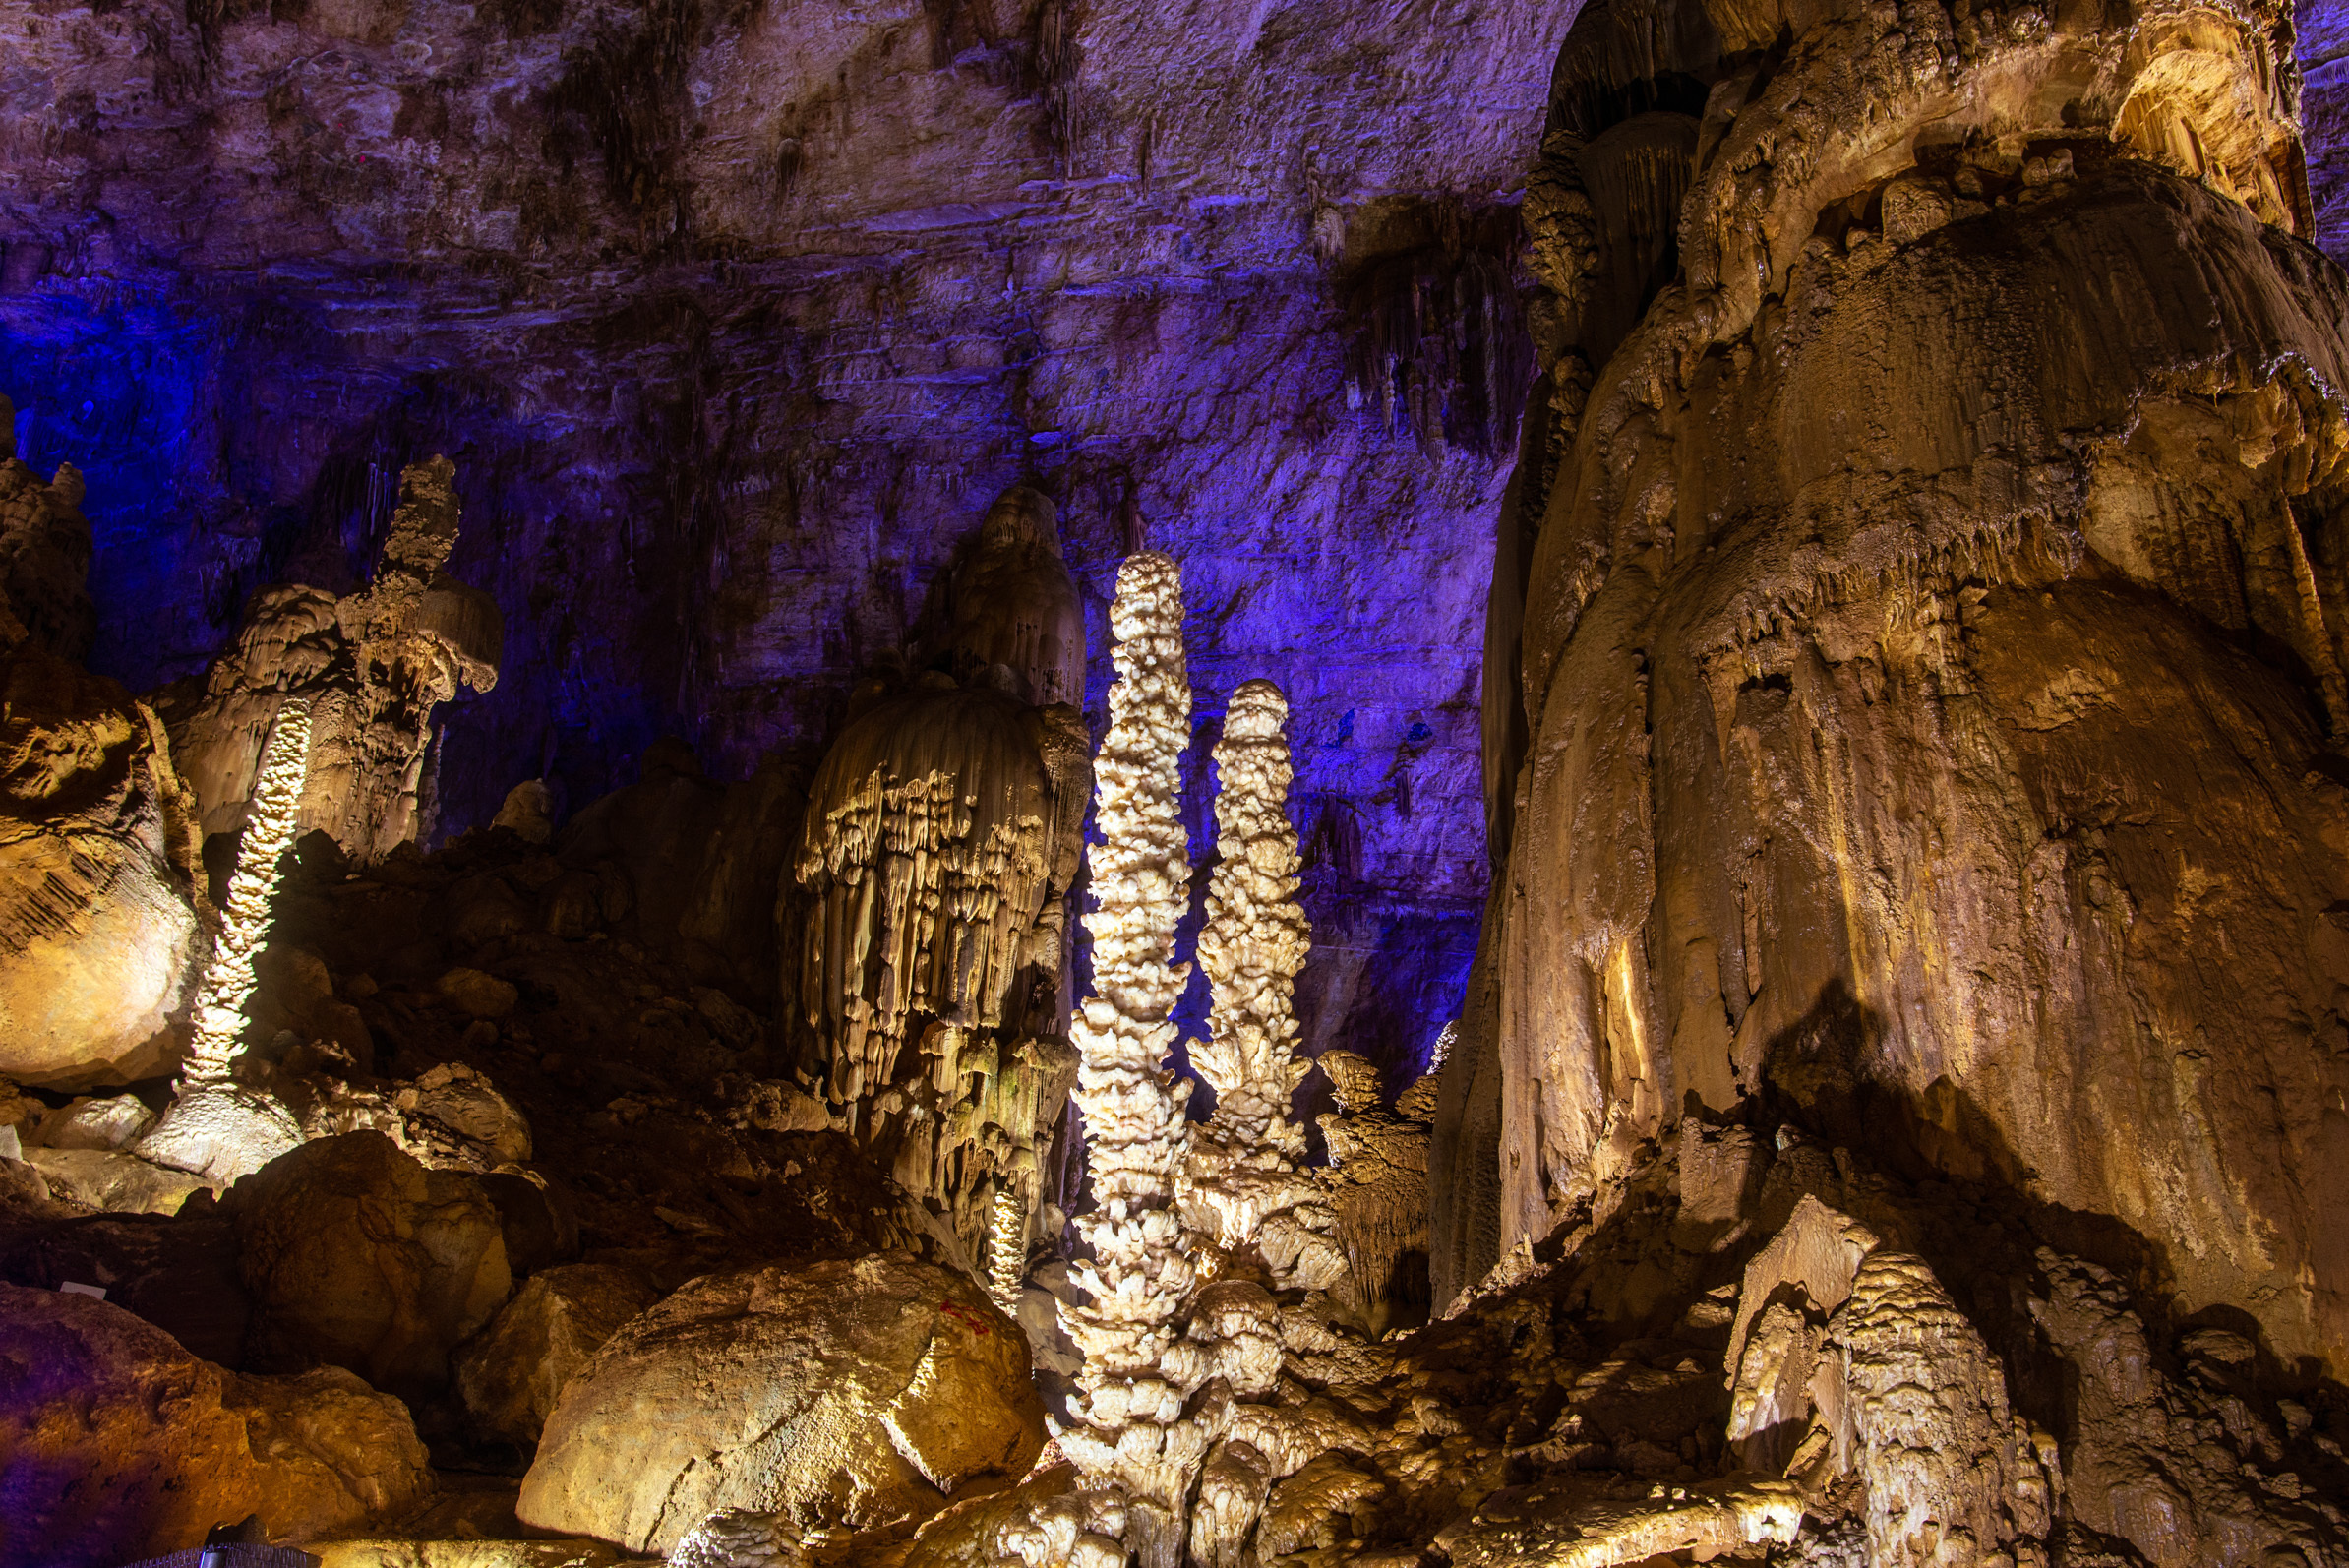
{"type": "Point", "coordinates": [736, 316]}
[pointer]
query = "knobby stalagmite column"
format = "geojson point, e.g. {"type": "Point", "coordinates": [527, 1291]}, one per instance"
{"type": "Point", "coordinates": [228, 977]}
{"type": "Point", "coordinates": [214, 1126]}
{"type": "Point", "coordinates": [1137, 1372]}
{"type": "Point", "coordinates": [1242, 1184]}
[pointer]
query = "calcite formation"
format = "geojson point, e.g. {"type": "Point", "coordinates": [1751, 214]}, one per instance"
{"type": "Point", "coordinates": [1139, 1371]}
{"type": "Point", "coordinates": [214, 1126]}
{"type": "Point", "coordinates": [228, 974]}
{"type": "Point", "coordinates": [939, 846]}
{"type": "Point", "coordinates": [1241, 1176]}
{"type": "Point", "coordinates": [1929, 611]}
{"type": "Point", "coordinates": [97, 931]}
{"type": "Point", "coordinates": [1376, 1186]}
{"type": "Point", "coordinates": [372, 665]}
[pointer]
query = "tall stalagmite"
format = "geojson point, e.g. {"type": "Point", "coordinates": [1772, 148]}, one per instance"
{"type": "Point", "coordinates": [215, 1126]}
{"type": "Point", "coordinates": [1138, 1371]}
{"type": "Point", "coordinates": [1243, 1189]}
{"type": "Point", "coordinates": [228, 976]}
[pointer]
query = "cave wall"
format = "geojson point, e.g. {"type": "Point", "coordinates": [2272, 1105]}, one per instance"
{"type": "Point", "coordinates": [734, 317]}
{"type": "Point", "coordinates": [1929, 697]}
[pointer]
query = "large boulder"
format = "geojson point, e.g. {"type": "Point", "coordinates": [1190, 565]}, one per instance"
{"type": "Point", "coordinates": [357, 1256]}
{"type": "Point", "coordinates": [114, 1442]}
{"type": "Point", "coordinates": [329, 1452]}
{"type": "Point", "coordinates": [97, 927]}
{"type": "Point", "coordinates": [512, 1373]}
{"type": "Point", "coordinates": [839, 1395]}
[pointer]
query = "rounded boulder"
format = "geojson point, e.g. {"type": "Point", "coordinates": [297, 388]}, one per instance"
{"type": "Point", "coordinates": [842, 1394]}
{"type": "Point", "coordinates": [356, 1255]}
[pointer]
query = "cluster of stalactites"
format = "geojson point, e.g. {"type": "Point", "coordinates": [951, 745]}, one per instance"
{"type": "Point", "coordinates": [229, 976]}
{"type": "Point", "coordinates": [911, 877]}
{"type": "Point", "coordinates": [1138, 1371]}
{"type": "Point", "coordinates": [1242, 1184]}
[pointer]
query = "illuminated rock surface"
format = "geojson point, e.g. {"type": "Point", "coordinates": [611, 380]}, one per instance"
{"type": "Point", "coordinates": [840, 1394]}
{"type": "Point", "coordinates": [1896, 1116]}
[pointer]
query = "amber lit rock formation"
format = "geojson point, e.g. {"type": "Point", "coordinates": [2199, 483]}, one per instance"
{"type": "Point", "coordinates": [939, 846]}
{"type": "Point", "coordinates": [373, 666]}
{"type": "Point", "coordinates": [96, 840]}
{"type": "Point", "coordinates": [229, 975]}
{"type": "Point", "coordinates": [844, 1394]}
{"type": "Point", "coordinates": [1929, 735]}
{"type": "Point", "coordinates": [1376, 1186]}
{"type": "Point", "coordinates": [214, 1126]}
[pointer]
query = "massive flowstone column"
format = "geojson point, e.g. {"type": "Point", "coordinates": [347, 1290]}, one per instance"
{"type": "Point", "coordinates": [1129, 1432]}
{"type": "Point", "coordinates": [1241, 1185]}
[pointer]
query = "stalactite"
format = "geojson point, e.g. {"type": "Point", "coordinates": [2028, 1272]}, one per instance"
{"type": "Point", "coordinates": [229, 976]}
{"type": "Point", "coordinates": [927, 852]}
{"type": "Point", "coordinates": [1242, 1184]}
{"type": "Point", "coordinates": [1376, 1183]}
{"type": "Point", "coordinates": [1130, 1431]}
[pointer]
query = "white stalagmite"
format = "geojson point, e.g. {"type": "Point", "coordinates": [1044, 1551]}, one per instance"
{"type": "Point", "coordinates": [1139, 1371]}
{"type": "Point", "coordinates": [1242, 1184]}
{"type": "Point", "coordinates": [214, 1126]}
{"type": "Point", "coordinates": [268, 829]}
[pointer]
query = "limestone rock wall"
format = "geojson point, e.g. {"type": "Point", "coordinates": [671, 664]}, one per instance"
{"type": "Point", "coordinates": [731, 321]}
{"type": "Point", "coordinates": [1929, 656]}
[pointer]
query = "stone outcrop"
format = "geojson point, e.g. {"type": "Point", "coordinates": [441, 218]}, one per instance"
{"type": "Point", "coordinates": [1933, 734]}
{"type": "Point", "coordinates": [846, 1394]}
{"type": "Point", "coordinates": [98, 930]}
{"type": "Point", "coordinates": [115, 1439]}
{"type": "Point", "coordinates": [372, 666]}
{"type": "Point", "coordinates": [329, 1452]}
{"type": "Point", "coordinates": [354, 1256]}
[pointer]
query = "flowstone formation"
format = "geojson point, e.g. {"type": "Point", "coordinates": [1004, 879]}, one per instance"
{"type": "Point", "coordinates": [372, 665]}
{"type": "Point", "coordinates": [939, 843]}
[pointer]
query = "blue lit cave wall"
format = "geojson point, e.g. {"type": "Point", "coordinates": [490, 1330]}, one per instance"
{"type": "Point", "coordinates": [734, 323]}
